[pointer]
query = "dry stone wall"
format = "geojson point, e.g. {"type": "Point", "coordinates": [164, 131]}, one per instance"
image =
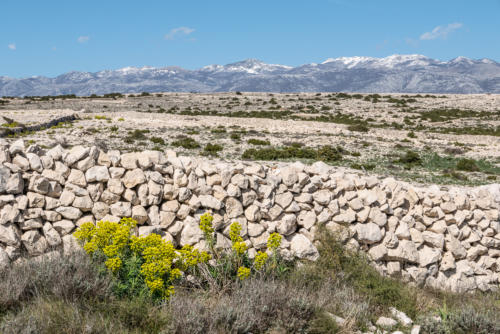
{"type": "Point", "coordinates": [444, 239]}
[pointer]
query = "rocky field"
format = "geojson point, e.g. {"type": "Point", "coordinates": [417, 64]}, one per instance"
{"type": "Point", "coordinates": [444, 139]}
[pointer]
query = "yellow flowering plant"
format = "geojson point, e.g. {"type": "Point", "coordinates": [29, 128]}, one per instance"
{"type": "Point", "coordinates": [238, 259]}
{"type": "Point", "coordinates": [206, 226]}
{"type": "Point", "coordinates": [138, 262]}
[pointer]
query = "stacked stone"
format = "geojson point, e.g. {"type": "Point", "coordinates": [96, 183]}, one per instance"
{"type": "Point", "coordinates": [427, 236]}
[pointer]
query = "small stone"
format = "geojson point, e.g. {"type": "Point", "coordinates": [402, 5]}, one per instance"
{"type": "Point", "coordinates": [284, 199]}
{"type": "Point", "coordinates": [385, 322]}
{"type": "Point", "coordinates": [83, 203]}
{"type": "Point", "coordinates": [322, 197]}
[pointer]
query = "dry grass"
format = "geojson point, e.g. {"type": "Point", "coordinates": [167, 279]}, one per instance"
{"type": "Point", "coordinates": [72, 295]}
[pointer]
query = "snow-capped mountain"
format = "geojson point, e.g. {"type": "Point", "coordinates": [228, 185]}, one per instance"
{"type": "Point", "coordinates": [396, 73]}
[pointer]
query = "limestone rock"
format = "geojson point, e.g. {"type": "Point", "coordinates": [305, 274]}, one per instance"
{"type": "Point", "coordinates": [369, 233]}
{"type": "Point", "coordinates": [68, 212]}
{"type": "Point", "coordinates": [9, 235]}
{"type": "Point", "coordinates": [139, 214]}
{"type": "Point", "coordinates": [385, 322]}
{"type": "Point", "coordinates": [64, 227]}
{"type": "Point", "coordinates": [233, 207]}
{"type": "Point", "coordinates": [306, 219]}
{"type": "Point", "coordinates": [133, 178]}
{"type": "Point", "coordinates": [303, 248]}
{"type": "Point", "coordinates": [34, 242]}
{"type": "Point", "coordinates": [77, 177]}
{"type": "Point", "coordinates": [210, 202]}
{"type": "Point", "coordinates": [191, 232]}
{"type": "Point", "coordinates": [53, 238]}
{"type": "Point", "coordinates": [121, 209]}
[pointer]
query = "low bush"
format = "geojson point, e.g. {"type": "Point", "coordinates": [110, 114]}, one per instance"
{"type": "Point", "coordinates": [325, 153]}
{"type": "Point", "coordinates": [157, 140]}
{"type": "Point", "coordinates": [259, 142]}
{"type": "Point", "coordinates": [467, 165]}
{"type": "Point", "coordinates": [359, 127]}
{"type": "Point", "coordinates": [212, 149]}
{"type": "Point", "coordinates": [72, 277]}
{"type": "Point", "coordinates": [186, 142]}
{"type": "Point", "coordinates": [410, 158]}
{"type": "Point", "coordinates": [463, 321]}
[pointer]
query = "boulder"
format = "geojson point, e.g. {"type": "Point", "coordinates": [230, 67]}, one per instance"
{"type": "Point", "coordinates": [368, 233]}
{"type": "Point", "coordinates": [303, 248]}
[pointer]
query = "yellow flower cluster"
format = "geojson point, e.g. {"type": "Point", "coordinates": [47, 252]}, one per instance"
{"type": "Point", "coordinates": [260, 260]}
{"type": "Point", "coordinates": [161, 265]}
{"type": "Point", "coordinates": [109, 237]}
{"type": "Point", "coordinates": [239, 246]}
{"type": "Point", "coordinates": [206, 220]}
{"type": "Point", "coordinates": [243, 273]}
{"type": "Point", "coordinates": [274, 241]}
{"type": "Point", "coordinates": [234, 232]}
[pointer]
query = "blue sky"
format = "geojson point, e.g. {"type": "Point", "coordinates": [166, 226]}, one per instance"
{"type": "Point", "coordinates": [52, 37]}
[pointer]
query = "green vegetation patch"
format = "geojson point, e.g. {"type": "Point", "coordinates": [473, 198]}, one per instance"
{"type": "Point", "coordinates": [186, 142]}
{"type": "Point", "coordinates": [325, 153]}
{"type": "Point", "coordinates": [258, 142]}
{"type": "Point", "coordinates": [444, 114]}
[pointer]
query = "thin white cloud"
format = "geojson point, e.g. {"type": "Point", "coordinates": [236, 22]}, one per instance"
{"type": "Point", "coordinates": [441, 31]}
{"type": "Point", "coordinates": [178, 31]}
{"type": "Point", "coordinates": [83, 39]}
{"type": "Point", "coordinates": [12, 46]}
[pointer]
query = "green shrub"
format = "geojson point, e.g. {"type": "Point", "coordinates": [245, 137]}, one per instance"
{"type": "Point", "coordinates": [157, 140]}
{"type": "Point", "coordinates": [10, 125]}
{"type": "Point", "coordinates": [262, 142]}
{"type": "Point", "coordinates": [186, 142]}
{"type": "Point", "coordinates": [219, 129]}
{"type": "Point", "coordinates": [410, 158]}
{"type": "Point", "coordinates": [235, 136]}
{"type": "Point", "coordinates": [212, 149]}
{"type": "Point", "coordinates": [137, 134]}
{"type": "Point", "coordinates": [359, 127]}
{"type": "Point", "coordinates": [324, 153]}
{"type": "Point", "coordinates": [468, 165]}
{"type": "Point", "coordinates": [463, 321]}
{"type": "Point", "coordinates": [355, 268]}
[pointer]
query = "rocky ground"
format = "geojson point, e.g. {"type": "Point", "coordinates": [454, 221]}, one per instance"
{"type": "Point", "coordinates": [367, 132]}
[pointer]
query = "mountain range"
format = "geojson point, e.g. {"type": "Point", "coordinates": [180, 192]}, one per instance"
{"type": "Point", "coordinates": [396, 73]}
